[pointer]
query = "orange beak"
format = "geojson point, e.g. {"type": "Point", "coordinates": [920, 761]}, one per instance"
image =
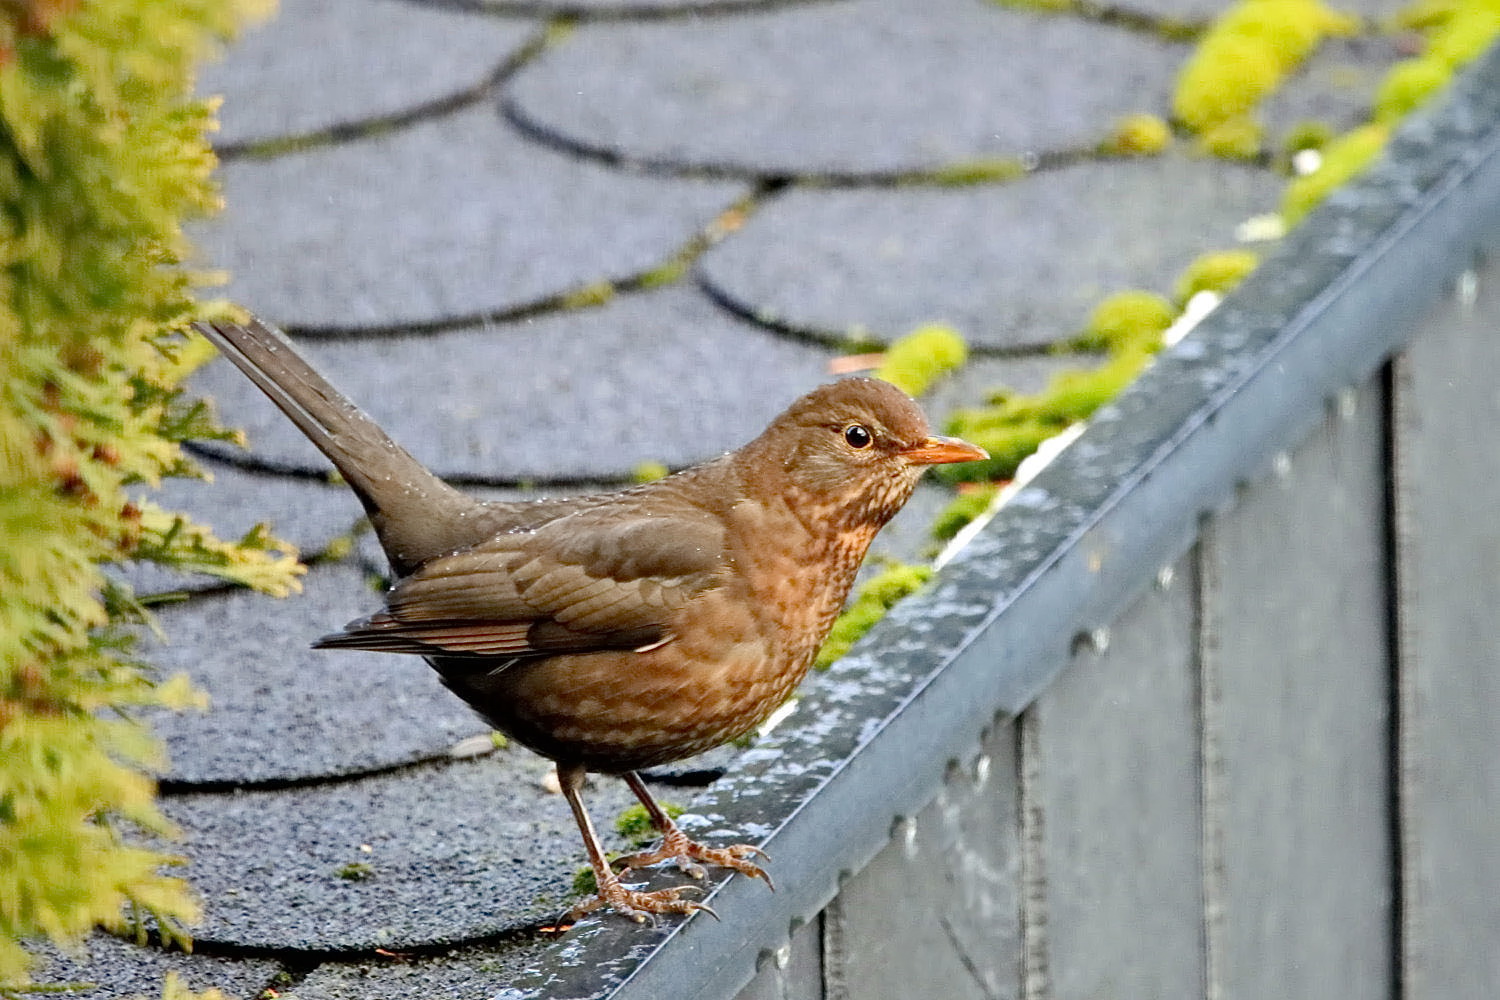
{"type": "Point", "coordinates": [942, 450]}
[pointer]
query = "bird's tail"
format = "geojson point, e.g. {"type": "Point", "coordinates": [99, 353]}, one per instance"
{"type": "Point", "coordinates": [407, 504]}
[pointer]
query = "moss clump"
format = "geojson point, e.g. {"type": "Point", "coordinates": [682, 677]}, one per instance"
{"type": "Point", "coordinates": [1242, 59]}
{"type": "Point", "coordinates": [584, 882]}
{"type": "Point", "coordinates": [1237, 139]}
{"type": "Point", "coordinates": [1128, 325]}
{"type": "Point", "coordinates": [597, 294]}
{"type": "Point", "coordinates": [964, 508]}
{"type": "Point", "coordinates": [1343, 158]}
{"type": "Point", "coordinates": [1132, 320]}
{"type": "Point", "coordinates": [1138, 135]}
{"type": "Point", "coordinates": [1306, 135]}
{"type": "Point", "coordinates": [878, 595]}
{"type": "Point", "coordinates": [634, 822]}
{"type": "Point", "coordinates": [1215, 272]}
{"type": "Point", "coordinates": [356, 871]}
{"type": "Point", "coordinates": [914, 362]}
{"type": "Point", "coordinates": [646, 472]}
{"type": "Point", "coordinates": [988, 170]}
{"type": "Point", "coordinates": [1408, 86]}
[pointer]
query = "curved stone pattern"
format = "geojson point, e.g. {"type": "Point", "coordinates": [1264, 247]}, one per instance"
{"type": "Point", "coordinates": [863, 88]}
{"type": "Point", "coordinates": [878, 262]}
{"type": "Point", "coordinates": [464, 974]}
{"type": "Point", "coordinates": [373, 58]}
{"type": "Point", "coordinates": [456, 852]}
{"type": "Point", "coordinates": [106, 968]}
{"type": "Point", "coordinates": [451, 217]}
{"type": "Point", "coordinates": [281, 711]}
{"type": "Point", "coordinates": [308, 515]}
{"type": "Point", "coordinates": [564, 396]}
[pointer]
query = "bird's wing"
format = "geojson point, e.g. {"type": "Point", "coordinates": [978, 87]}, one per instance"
{"type": "Point", "coordinates": [598, 578]}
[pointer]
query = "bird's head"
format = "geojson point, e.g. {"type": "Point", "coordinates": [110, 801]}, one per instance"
{"type": "Point", "coordinates": [853, 451]}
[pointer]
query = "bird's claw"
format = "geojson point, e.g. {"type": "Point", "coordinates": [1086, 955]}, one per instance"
{"type": "Point", "coordinates": [640, 906]}
{"type": "Point", "coordinates": [676, 847]}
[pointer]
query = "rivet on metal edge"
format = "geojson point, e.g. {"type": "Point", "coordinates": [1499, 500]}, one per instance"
{"type": "Point", "coordinates": [1467, 287]}
{"type": "Point", "coordinates": [907, 830]}
{"type": "Point", "coordinates": [982, 769]}
{"type": "Point", "coordinates": [1348, 402]}
{"type": "Point", "coordinates": [783, 956]}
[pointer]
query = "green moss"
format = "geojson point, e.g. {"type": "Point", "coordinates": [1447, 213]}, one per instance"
{"type": "Point", "coordinates": [914, 362]}
{"type": "Point", "coordinates": [1306, 135]}
{"type": "Point", "coordinates": [667, 274]}
{"type": "Point", "coordinates": [1408, 86]}
{"type": "Point", "coordinates": [1342, 159]}
{"type": "Point", "coordinates": [1244, 57]}
{"type": "Point", "coordinates": [877, 596]}
{"type": "Point", "coordinates": [1138, 135]}
{"type": "Point", "coordinates": [962, 509]}
{"type": "Point", "coordinates": [584, 882]}
{"type": "Point", "coordinates": [1466, 32]}
{"type": "Point", "coordinates": [646, 472]}
{"type": "Point", "coordinates": [1215, 272]}
{"type": "Point", "coordinates": [1008, 444]}
{"type": "Point", "coordinates": [597, 294]}
{"type": "Point", "coordinates": [498, 740]}
{"type": "Point", "coordinates": [1236, 139]}
{"type": "Point", "coordinates": [985, 170]}
{"type": "Point", "coordinates": [356, 871]}
{"type": "Point", "coordinates": [634, 822]}
{"type": "Point", "coordinates": [1126, 320]}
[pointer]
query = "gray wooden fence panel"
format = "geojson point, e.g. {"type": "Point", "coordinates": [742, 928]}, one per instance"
{"type": "Point", "coordinates": [936, 914]}
{"type": "Point", "coordinates": [796, 973]}
{"type": "Point", "coordinates": [1117, 790]}
{"type": "Point", "coordinates": [1447, 436]}
{"type": "Point", "coordinates": [1297, 685]}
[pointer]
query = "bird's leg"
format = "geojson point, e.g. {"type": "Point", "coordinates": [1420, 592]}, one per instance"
{"type": "Point", "coordinates": [612, 893]}
{"type": "Point", "coordinates": [675, 845]}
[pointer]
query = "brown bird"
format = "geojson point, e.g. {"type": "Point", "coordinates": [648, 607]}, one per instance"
{"type": "Point", "coordinates": [621, 631]}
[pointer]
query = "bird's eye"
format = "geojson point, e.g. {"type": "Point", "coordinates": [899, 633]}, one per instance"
{"type": "Point", "coordinates": [858, 436]}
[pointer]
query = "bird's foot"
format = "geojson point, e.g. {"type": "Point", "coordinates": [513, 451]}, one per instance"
{"type": "Point", "coordinates": [638, 906]}
{"type": "Point", "coordinates": [676, 847]}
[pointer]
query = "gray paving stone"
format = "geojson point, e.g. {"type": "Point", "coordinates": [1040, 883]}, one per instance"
{"type": "Point", "coordinates": [850, 88]}
{"type": "Point", "coordinates": [587, 394]}
{"type": "Point", "coordinates": [319, 63]}
{"type": "Point", "coordinates": [307, 514]}
{"type": "Point", "coordinates": [466, 974]}
{"type": "Point", "coordinates": [456, 852]}
{"type": "Point", "coordinates": [283, 712]}
{"type": "Point", "coordinates": [451, 217]}
{"type": "Point", "coordinates": [611, 8]}
{"type": "Point", "coordinates": [107, 968]}
{"type": "Point", "coordinates": [1336, 87]}
{"type": "Point", "coordinates": [1013, 266]}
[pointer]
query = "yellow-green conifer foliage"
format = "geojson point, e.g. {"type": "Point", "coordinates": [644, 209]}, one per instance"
{"type": "Point", "coordinates": [102, 156]}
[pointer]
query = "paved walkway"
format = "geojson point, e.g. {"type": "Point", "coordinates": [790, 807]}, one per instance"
{"type": "Point", "coordinates": [544, 243]}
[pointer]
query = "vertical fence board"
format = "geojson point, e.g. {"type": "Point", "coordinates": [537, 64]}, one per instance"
{"type": "Point", "coordinates": [795, 974]}
{"type": "Point", "coordinates": [1447, 443]}
{"type": "Point", "coordinates": [1297, 706]}
{"type": "Point", "coordinates": [936, 914]}
{"type": "Point", "coordinates": [1116, 782]}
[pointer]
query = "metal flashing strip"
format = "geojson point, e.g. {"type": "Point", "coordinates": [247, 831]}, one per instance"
{"type": "Point", "coordinates": [871, 738]}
